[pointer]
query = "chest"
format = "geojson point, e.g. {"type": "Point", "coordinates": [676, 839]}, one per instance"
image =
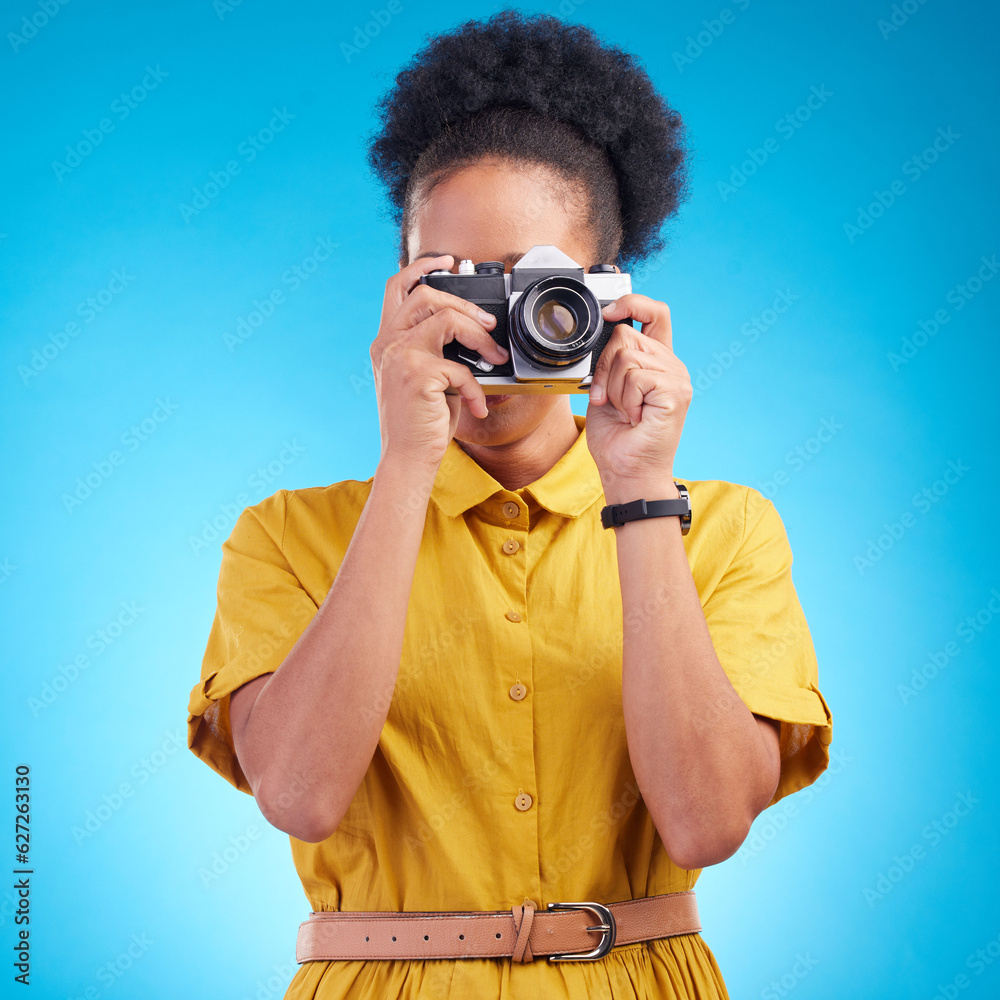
{"type": "Point", "coordinates": [509, 631]}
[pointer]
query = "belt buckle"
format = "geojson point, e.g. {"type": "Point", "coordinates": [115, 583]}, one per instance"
{"type": "Point", "coordinates": [606, 927]}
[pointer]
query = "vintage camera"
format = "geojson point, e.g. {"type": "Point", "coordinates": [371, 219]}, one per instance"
{"type": "Point", "coordinates": [548, 316]}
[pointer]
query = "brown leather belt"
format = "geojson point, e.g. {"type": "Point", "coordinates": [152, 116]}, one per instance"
{"type": "Point", "coordinates": [564, 931]}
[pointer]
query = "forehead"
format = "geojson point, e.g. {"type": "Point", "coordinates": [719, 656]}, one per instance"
{"type": "Point", "coordinates": [496, 209]}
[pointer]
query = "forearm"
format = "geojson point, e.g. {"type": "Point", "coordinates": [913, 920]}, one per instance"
{"type": "Point", "coordinates": [316, 723]}
{"type": "Point", "coordinates": [696, 749]}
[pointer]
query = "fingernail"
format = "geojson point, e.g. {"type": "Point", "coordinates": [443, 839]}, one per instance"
{"type": "Point", "coordinates": [610, 305]}
{"type": "Point", "coordinates": [597, 393]}
{"type": "Point", "coordinates": [486, 318]}
{"type": "Point", "coordinates": [503, 350]}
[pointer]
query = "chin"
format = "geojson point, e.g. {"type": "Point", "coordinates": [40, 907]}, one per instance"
{"type": "Point", "coordinates": [506, 412]}
{"type": "Point", "coordinates": [510, 417]}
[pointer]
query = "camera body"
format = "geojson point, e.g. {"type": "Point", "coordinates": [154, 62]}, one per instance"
{"type": "Point", "coordinates": [548, 314]}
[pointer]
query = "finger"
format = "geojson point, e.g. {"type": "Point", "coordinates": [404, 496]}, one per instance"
{"type": "Point", "coordinates": [400, 284]}
{"type": "Point", "coordinates": [599, 381]}
{"type": "Point", "coordinates": [424, 301]}
{"type": "Point", "coordinates": [459, 377]}
{"type": "Point", "coordinates": [454, 412]}
{"type": "Point", "coordinates": [447, 324]}
{"type": "Point", "coordinates": [638, 382]}
{"type": "Point", "coordinates": [654, 315]}
{"type": "Point", "coordinates": [437, 374]}
{"type": "Point", "coordinates": [625, 362]}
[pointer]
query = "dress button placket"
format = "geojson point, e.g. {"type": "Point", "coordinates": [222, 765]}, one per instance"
{"type": "Point", "coordinates": [512, 511]}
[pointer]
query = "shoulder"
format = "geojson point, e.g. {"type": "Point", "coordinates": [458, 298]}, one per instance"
{"type": "Point", "coordinates": [347, 495]}
{"type": "Point", "coordinates": [315, 511]}
{"type": "Point", "coordinates": [726, 510]}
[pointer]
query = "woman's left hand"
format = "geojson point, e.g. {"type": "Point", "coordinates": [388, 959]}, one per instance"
{"type": "Point", "coordinates": [639, 397]}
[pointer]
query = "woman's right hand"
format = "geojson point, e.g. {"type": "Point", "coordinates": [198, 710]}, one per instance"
{"type": "Point", "coordinates": [416, 417]}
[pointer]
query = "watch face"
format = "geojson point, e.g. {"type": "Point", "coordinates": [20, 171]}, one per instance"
{"type": "Point", "coordinates": [685, 518]}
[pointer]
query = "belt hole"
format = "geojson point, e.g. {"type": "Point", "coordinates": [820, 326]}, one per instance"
{"type": "Point", "coordinates": [426, 938]}
{"type": "Point", "coordinates": [366, 937]}
{"type": "Point", "coordinates": [461, 937]}
{"type": "Point", "coordinates": [498, 935]}
{"type": "Point", "coordinates": [394, 937]}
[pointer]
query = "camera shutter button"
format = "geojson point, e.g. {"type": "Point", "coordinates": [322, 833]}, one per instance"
{"type": "Point", "coordinates": [477, 362]}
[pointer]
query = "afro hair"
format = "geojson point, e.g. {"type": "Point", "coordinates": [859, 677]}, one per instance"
{"type": "Point", "coordinates": [448, 97]}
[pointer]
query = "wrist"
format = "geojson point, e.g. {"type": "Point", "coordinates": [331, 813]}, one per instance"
{"type": "Point", "coordinates": [622, 490]}
{"type": "Point", "coordinates": [406, 474]}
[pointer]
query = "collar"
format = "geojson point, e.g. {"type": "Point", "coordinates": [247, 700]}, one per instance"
{"type": "Point", "coordinates": [569, 488]}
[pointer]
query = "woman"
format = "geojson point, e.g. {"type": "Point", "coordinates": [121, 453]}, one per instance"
{"type": "Point", "coordinates": [450, 684]}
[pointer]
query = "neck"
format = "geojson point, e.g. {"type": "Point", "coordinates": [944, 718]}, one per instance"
{"type": "Point", "coordinates": [520, 462]}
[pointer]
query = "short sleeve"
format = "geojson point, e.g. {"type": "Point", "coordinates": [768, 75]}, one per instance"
{"type": "Point", "coordinates": [262, 610]}
{"type": "Point", "coordinates": [763, 642]}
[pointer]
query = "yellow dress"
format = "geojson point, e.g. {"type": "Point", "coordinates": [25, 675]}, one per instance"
{"type": "Point", "coordinates": [480, 794]}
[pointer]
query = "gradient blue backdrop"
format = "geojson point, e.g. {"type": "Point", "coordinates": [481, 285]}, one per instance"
{"type": "Point", "coordinates": [789, 912]}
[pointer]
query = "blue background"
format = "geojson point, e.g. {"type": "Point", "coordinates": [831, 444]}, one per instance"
{"type": "Point", "coordinates": [887, 574]}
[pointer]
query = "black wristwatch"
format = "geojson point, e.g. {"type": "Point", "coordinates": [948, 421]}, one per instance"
{"type": "Point", "coordinates": [615, 515]}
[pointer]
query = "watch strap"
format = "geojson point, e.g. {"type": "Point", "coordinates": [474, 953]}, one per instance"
{"type": "Point", "coordinates": [615, 515]}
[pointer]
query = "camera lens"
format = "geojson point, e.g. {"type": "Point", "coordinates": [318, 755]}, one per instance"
{"type": "Point", "coordinates": [556, 321]}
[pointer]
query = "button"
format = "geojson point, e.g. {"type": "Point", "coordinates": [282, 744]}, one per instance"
{"type": "Point", "coordinates": [513, 616]}
{"type": "Point", "coordinates": [510, 510]}
{"type": "Point", "coordinates": [511, 546]}
{"type": "Point", "coordinates": [518, 691]}
{"type": "Point", "coordinates": [523, 801]}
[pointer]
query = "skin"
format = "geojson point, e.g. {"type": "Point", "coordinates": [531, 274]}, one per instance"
{"type": "Point", "coordinates": [471, 216]}
{"type": "Point", "coordinates": [315, 722]}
